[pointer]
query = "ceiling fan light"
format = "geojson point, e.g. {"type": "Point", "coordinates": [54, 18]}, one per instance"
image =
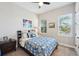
{"type": "Point", "coordinates": [40, 3]}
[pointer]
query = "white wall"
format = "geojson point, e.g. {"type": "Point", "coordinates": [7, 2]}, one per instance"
{"type": "Point", "coordinates": [52, 16]}
{"type": "Point", "coordinates": [11, 17]}
{"type": "Point", "coordinates": [77, 28]}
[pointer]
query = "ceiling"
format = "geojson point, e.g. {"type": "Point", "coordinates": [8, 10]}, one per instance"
{"type": "Point", "coordinates": [33, 7]}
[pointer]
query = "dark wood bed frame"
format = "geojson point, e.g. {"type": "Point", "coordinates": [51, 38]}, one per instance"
{"type": "Point", "coordinates": [30, 54]}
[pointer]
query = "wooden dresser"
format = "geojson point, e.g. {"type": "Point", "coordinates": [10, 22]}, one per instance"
{"type": "Point", "coordinates": [7, 46]}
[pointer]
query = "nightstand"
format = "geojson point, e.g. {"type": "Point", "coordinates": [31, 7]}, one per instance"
{"type": "Point", "coordinates": [7, 46]}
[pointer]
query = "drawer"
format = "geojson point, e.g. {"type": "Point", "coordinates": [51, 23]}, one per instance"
{"type": "Point", "coordinates": [8, 47]}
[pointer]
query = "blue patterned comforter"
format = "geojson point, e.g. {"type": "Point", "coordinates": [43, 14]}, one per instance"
{"type": "Point", "coordinates": [41, 46]}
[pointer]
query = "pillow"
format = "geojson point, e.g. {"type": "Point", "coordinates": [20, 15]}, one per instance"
{"type": "Point", "coordinates": [24, 35]}
{"type": "Point", "coordinates": [29, 34]}
{"type": "Point", "coordinates": [33, 35]}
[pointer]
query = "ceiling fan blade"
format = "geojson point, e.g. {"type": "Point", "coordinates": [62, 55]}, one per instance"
{"type": "Point", "coordinates": [46, 3]}
{"type": "Point", "coordinates": [35, 2]}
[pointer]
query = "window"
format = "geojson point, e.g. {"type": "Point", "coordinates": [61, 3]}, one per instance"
{"type": "Point", "coordinates": [43, 26]}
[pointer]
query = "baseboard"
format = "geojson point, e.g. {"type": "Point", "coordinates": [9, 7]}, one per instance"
{"type": "Point", "coordinates": [66, 45]}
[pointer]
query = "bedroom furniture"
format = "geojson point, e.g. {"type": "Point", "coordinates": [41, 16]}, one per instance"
{"type": "Point", "coordinates": [7, 46]}
{"type": "Point", "coordinates": [19, 35]}
{"type": "Point", "coordinates": [41, 46]}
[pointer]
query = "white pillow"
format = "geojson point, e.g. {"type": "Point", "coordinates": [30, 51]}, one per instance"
{"type": "Point", "coordinates": [23, 40]}
{"type": "Point", "coordinates": [24, 35]}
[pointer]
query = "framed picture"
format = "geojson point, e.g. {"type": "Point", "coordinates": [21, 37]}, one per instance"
{"type": "Point", "coordinates": [52, 25]}
{"type": "Point", "coordinates": [27, 24]}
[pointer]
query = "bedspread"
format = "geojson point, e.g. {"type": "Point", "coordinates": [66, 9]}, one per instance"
{"type": "Point", "coordinates": [41, 46]}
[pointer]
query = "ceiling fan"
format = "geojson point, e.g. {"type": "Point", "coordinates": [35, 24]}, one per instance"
{"type": "Point", "coordinates": [42, 3]}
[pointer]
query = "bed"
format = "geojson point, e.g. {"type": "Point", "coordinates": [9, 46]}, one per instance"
{"type": "Point", "coordinates": [38, 45]}
{"type": "Point", "coordinates": [41, 46]}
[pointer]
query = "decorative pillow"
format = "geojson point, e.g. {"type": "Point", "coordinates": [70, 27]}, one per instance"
{"type": "Point", "coordinates": [33, 35]}
{"type": "Point", "coordinates": [29, 34]}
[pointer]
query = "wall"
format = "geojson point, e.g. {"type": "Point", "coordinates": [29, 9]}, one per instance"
{"type": "Point", "coordinates": [77, 28]}
{"type": "Point", "coordinates": [11, 17]}
{"type": "Point", "coordinates": [52, 16]}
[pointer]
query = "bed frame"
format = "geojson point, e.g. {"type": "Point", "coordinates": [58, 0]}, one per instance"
{"type": "Point", "coordinates": [30, 54]}
{"type": "Point", "coordinates": [54, 49]}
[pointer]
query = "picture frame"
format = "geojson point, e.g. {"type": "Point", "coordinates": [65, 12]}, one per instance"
{"type": "Point", "coordinates": [52, 25]}
{"type": "Point", "coordinates": [27, 23]}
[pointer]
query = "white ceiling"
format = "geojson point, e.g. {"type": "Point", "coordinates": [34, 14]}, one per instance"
{"type": "Point", "coordinates": [33, 7]}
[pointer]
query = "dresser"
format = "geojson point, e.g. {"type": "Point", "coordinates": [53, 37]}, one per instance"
{"type": "Point", "coordinates": [7, 46]}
